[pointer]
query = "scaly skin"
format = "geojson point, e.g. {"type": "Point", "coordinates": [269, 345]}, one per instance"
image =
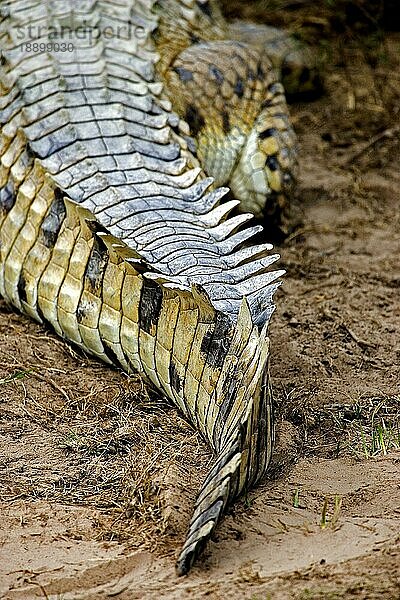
{"type": "Point", "coordinates": [109, 235]}
{"type": "Point", "coordinates": [228, 91]}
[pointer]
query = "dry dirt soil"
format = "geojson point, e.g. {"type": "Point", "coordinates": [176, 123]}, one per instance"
{"type": "Point", "coordinates": [98, 474]}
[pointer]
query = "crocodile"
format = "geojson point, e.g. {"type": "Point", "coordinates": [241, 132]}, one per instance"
{"type": "Point", "coordinates": [114, 231]}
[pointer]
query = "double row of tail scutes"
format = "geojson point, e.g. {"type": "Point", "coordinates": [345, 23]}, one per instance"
{"type": "Point", "coordinates": [242, 433]}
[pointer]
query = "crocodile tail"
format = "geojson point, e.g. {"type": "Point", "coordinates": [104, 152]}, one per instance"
{"type": "Point", "coordinates": [210, 505]}
{"type": "Point", "coordinates": [246, 443]}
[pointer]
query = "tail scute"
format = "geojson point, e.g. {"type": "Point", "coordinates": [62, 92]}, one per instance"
{"type": "Point", "coordinates": [209, 508]}
{"type": "Point", "coordinates": [241, 461]}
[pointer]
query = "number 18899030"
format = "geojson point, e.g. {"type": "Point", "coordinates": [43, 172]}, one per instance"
{"type": "Point", "coordinates": [47, 47]}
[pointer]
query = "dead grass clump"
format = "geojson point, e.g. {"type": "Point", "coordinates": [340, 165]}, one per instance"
{"type": "Point", "coordinates": [366, 428]}
{"type": "Point", "coordinates": [93, 436]}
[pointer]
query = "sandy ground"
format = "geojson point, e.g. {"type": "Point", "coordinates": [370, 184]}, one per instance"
{"type": "Point", "coordinates": [98, 474]}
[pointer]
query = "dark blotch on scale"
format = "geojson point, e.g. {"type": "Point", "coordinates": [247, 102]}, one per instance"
{"type": "Point", "coordinates": [251, 76]}
{"type": "Point", "coordinates": [150, 305]}
{"type": "Point", "coordinates": [7, 197]}
{"type": "Point", "coordinates": [216, 342]}
{"type": "Point", "coordinates": [226, 123]}
{"type": "Point", "coordinates": [239, 88]}
{"type": "Point", "coordinates": [194, 38]}
{"type": "Point", "coordinates": [286, 72]}
{"type": "Point", "coordinates": [22, 288]}
{"type": "Point", "coordinates": [174, 378]}
{"type": "Point", "coordinates": [96, 266]}
{"type": "Point", "coordinates": [275, 88]}
{"type": "Point", "coordinates": [194, 119]}
{"type": "Point", "coordinates": [270, 132]}
{"type": "Point", "coordinates": [51, 225]}
{"type": "Point", "coordinates": [109, 352]}
{"type": "Point", "coordinates": [305, 75]}
{"type": "Point", "coordinates": [217, 74]}
{"type": "Point", "coordinates": [80, 313]}
{"type": "Point", "coordinates": [183, 74]}
{"type": "Point", "coordinates": [272, 163]}
{"type": "Point", "coordinates": [229, 393]}
{"type": "Point", "coordinates": [205, 7]}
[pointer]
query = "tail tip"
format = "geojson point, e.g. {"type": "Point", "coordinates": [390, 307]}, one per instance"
{"type": "Point", "coordinates": [184, 563]}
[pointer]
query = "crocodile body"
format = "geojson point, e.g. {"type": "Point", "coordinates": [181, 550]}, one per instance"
{"type": "Point", "coordinates": [112, 236]}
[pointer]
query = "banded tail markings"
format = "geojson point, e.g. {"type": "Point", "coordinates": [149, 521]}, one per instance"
{"type": "Point", "coordinates": [183, 343]}
{"type": "Point", "coordinates": [18, 232]}
{"type": "Point", "coordinates": [150, 306]}
{"type": "Point", "coordinates": [14, 264]}
{"type": "Point", "coordinates": [90, 301]}
{"type": "Point", "coordinates": [247, 371]}
{"type": "Point", "coordinates": [72, 285]}
{"type": "Point", "coordinates": [239, 339]}
{"type": "Point", "coordinates": [53, 221]}
{"type": "Point", "coordinates": [53, 277]}
{"type": "Point", "coordinates": [195, 365]}
{"type": "Point", "coordinates": [129, 332]}
{"type": "Point", "coordinates": [241, 440]}
{"type": "Point", "coordinates": [253, 358]}
{"type": "Point", "coordinates": [165, 337]}
{"type": "Point", "coordinates": [37, 259]}
{"type": "Point", "coordinates": [111, 310]}
{"type": "Point", "coordinates": [209, 508]}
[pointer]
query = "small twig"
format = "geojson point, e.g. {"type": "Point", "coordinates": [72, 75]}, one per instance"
{"type": "Point", "coordinates": [357, 339]}
{"type": "Point", "coordinates": [118, 591]}
{"type": "Point", "coordinates": [31, 372]}
{"type": "Point", "coordinates": [318, 287]}
{"type": "Point", "coordinates": [299, 232]}
{"type": "Point", "coordinates": [387, 133]}
{"type": "Point", "coordinates": [52, 383]}
{"type": "Point", "coordinates": [42, 588]}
